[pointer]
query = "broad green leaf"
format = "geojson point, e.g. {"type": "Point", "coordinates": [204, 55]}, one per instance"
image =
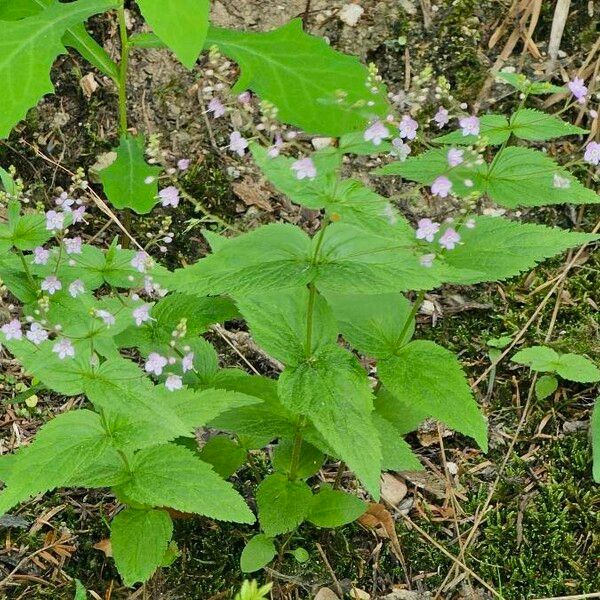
{"type": "Point", "coordinates": [396, 453]}
{"type": "Point", "coordinates": [175, 477]}
{"type": "Point", "coordinates": [76, 37]}
{"type": "Point", "coordinates": [28, 49]}
{"type": "Point", "coordinates": [72, 449]}
{"type": "Point", "coordinates": [282, 504]}
{"type": "Point", "coordinates": [545, 386]}
{"type": "Point", "coordinates": [573, 367]}
{"type": "Point", "coordinates": [310, 459]}
{"type": "Point", "coordinates": [333, 508]}
{"type": "Point", "coordinates": [333, 391]}
{"type": "Point", "coordinates": [376, 325]}
{"type": "Point", "coordinates": [494, 128]}
{"type": "Point", "coordinates": [289, 309]}
{"type": "Point", "coordinates": [404, 416]}
{"type": "Point", "coordinates": [224, 455]}
{"type": "Point", "coordinates": [521, 83]}
{"type": "Point", "coordinates": [139, 541]}
{"type": "Point", "coordinates": [355, 143]}
{"type": "Point", "coordinates": [426, 167]}
{"type": "Point", "coordinates": [595, 431]}
{"type": "Point", "coordinates": [534, 125]}
{"type": "Point", "coordinates": [497, 249]}
{"type": "Point", "coordinates": [24, 232]}
{"type": "Point", "coordinates": [126, 180]}
{"type": "Point", "coordinates": [271, 257]}
{"type": "Point", "coordinates": [181, 24]}
{"type": "Point", "coordinates": [431, 378]}
{"type": "Point", "coordinates": [258, 553]}
{"type": "Point", "coordinates": [525, 177]}
{"type": "Point", "coordinates": [313, 86]}
{"type": "Point", "coordinates": [8, 183]}
{"type": "Point", "coordinates": [80, 591]}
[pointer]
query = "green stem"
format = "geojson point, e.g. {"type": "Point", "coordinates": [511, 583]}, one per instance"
{"type": "Point", "coordinates": [123, 66]}
{"type": "Point", "coordinates": [26, 268]}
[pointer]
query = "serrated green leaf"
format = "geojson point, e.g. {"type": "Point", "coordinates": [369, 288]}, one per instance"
{"type": "Point", "coordinates": [534, 125]}
{"type": "Point", "coordinates": [224, 455]}
{"type": "Point", "coordinates": [125, 180]}
{"type": "Point", "coordinates": [404, 416]}
{"type": "Point", "coordinates": [8, 183]}
{"type": "Point", "coordinates": [181, 24]}
{"type": "Point", "coordinates": [498, 249]}
{"type": "Point", "coordinates": [282, 504]}
{"type": "Point", "coordinates": [172, 476]}
{"type": "Point", "coordinates": [494, 128]}
{"type": "Point", "coordinates": [139, 540]}
{"type": "Point", "coordinates": [376, 325]}
{"type": "Point", "coordinates": [80, 591]}
{"type": "Point", "coordinates": [333, 391]}
{"type": "Point", "coordinates": [396, 453]}
{"type": "Point", "coordinates": [525, 177]}
{"type": "Point", "coordinates": [28, 49]}
{"type": "Point", "coordinates": [545, 386]}
{"type": "Point", "coordinates": [289, 309]}
{"type": "Point", "coordinates": [303, 77]}
{"type": "Point", "coordinates": [334, 508]}
{"type": "Point", "coordinates": [355, 143]}
{"type": "Point", "coordinates": [310, 459]}
{"type": "Point", "coordinates": [431, 378]}
{"type": "Point", "coordinates": [72, 449]}
{"type": "Point", "coordinates": [521, 83]}
{"type": "Point", "coordinates": [573, 367]}
{"type": "Point", "coordinates": [258, 553]}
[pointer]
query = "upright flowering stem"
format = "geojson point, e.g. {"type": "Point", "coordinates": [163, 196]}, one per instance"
{"type": "Point", "coordinates": [312, 297]}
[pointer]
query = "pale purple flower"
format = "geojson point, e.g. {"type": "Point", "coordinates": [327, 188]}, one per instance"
{"type": "Point", "coordinates": [427, 260]}
{"type": "Point", "coordinates": [183, 164]}
{"type": "Point", "coordinates": [216, 107]}
{"type": "Point", "coordinates": [173, 382]}
{"type": "Point", "coordinates": [76, 288]}
{"type": "Point", "coordinates": [470, 223]}
{"type": "Point", "coordinates": [141, 314]}
{"type": "Point", "coordinates": [73, 245]}
{"type": "Point", "coordinates": [592, 153]}
{"type": "Point", "coordinates": [426, 229]}
{"type": "Point", "coordinates": [408, 127]}
{"type": "Point", "coordinates": [37, 334]}
{"type": "Point", "coordinates": [187, 362]}
{"type": "Point", "coordinates": [12, 330]}
{"type": "Point", "coordinates": [274, 150]}
{"type": "Point", "coordinates": [55, 221]}
{"type": "Point", "coordinates": [304, 168]}
{"type": "Point", "coordinates": [449, 239]}
{"type": "Point", "coordinates": [400, 149]}
{"type": "Point", "coordinates": [455, 157]}
{"type": "Point", "coordinates": [108, 318]}
{"type": "Point", "coordinates": [169, 196]}
{"type": "Point", "coordinates": [64, 348]}
{"type": "Point", "coordinates": [64, 201]}
{"type": "Point", "coordinates": [77, 214]}
{"type": "Point", "coordinates": [244, 97]}
{"type": "Point", "coordinates": [470, 125]}
{"type": "Point", "coordinates": [153, 289]}
{"type": "Point", "coordinates": [578, 89]}
{"type": "Point", "coordinates": [441, 117]}
{"type": "Point", "coordinates": [51, 284]}
{"type": "Point", "coordinates": [40, 255]}
{"type": "Point", "coordinates": [141, 261]}
{"type": "Point", "coordinates": [376, 133]}
{"type": "Point", "coordinates": [441, 186]}
{"type": "Point", "coordinates": [560, 182]}
{"type": "Point", "coordinates": [155, 363]}
{"type": "Point", "coordinates": [238, 143]}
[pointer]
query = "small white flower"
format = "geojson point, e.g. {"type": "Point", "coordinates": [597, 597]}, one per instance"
{"type": "Point", "coordinates": [55, 221]}
{"type": "Point", "coordinates": [51, 284]}
{"type": "Point", "coordinates": [155, 363]}
{"type": "Point", "coordinates": [238, 143]}
{"type": "Point", "coordinates": [187, 362]}
{"type": "Point", "coordinates": [449, 239]}
{"type": "Point", "coordinates": [37, 334]}
{"type": "Point", "coordinates": [174, 382]}
{"type": "Point", "coordinates": [141, 314]}
{"type": "Point", "coordinates": [215, 106]}
{"type": "Point", "coordinates": [455, 157]}
{"type": "Point", "coordinates": [304, 168]}
{"type": "Point", "coordinates": [108, 318]}
{"type": "Point", "coordinates": [141, 261]}
{"type": "Point", "coordinates": [427, 260]}
{"type": "Point", "coordinates": [40, 256]}
{"type": "Point", "coordinates": [12, 330]}
{"type": "Point", "coordinates": [169, 196]}
{"type": "Point", "coordinates": [76, 288]}
{"type": "Point", "coordinates": [77, 214]}
{"type": "Point", "coordinates": [73, 245]}
{"type": "Point", "coordinates": [64, 348]}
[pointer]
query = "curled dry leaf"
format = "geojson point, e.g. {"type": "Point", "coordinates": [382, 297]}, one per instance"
{"type": "Point", "coordinates": [88, 85]}
{"type": "Point", "coordinates": [253, 194]}
{"type": "Point", "coordinates": [104, 546]}
{"type": "Point", "coordinates": [379, 518]}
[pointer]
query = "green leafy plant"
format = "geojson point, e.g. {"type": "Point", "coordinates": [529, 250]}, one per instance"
{"type": "Point", "coordinates": [111, 324]}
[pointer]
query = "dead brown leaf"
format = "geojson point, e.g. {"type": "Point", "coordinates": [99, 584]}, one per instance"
{"type": "Point", "coordinates": [104, 546]}
{"type": "Point", "coordinates": [393, 490]}
{"type": "Point", "coordinates": [379, 518]}
{"type": "Point", "coordinates": [253, 194]}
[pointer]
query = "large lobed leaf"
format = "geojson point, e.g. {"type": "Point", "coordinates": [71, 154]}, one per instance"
{"type": "Point", "coordinates": [303, 77]}
{"type": "Point", "coordinates": [28, 49]}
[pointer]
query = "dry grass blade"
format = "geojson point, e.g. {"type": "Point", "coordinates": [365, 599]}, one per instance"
{"type": "Point", "coordinates": [559, 20]}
